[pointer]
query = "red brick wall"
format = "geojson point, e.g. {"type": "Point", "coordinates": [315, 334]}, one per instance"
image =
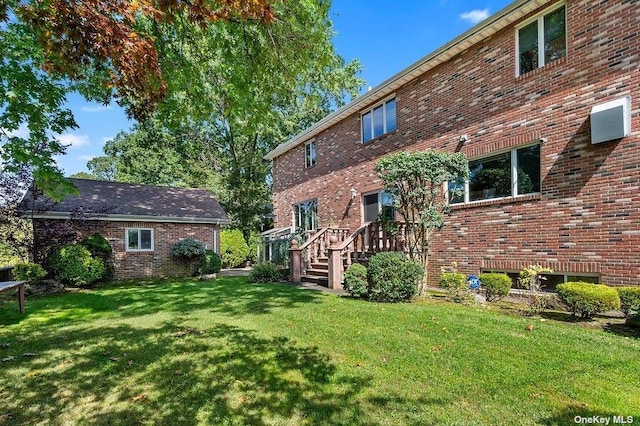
{"type": "Point", "coordinates": [156, 263]}
{"type": "Point", "coordinates": [587, 218]}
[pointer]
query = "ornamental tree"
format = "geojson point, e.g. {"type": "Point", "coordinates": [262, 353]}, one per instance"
{"type": "Point", "coordinates": [417, 181]}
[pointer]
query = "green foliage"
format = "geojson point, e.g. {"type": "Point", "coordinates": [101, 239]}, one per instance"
{"type": "Point", "coordinates": [532, 279]}
{"type": "Point", "coordinates": [456, 285]}
{"type": "Point", "coordinates": [97, 245]}
{"type": "Point", "coordinates": [265, 272]}
{"type": "Point", "coordinates": [255, 241]}
{"type": "Point", "coordinates": [391, 277]}
{"type": "Point", "coordinates": [355, 280]}
{"type": "Point", "coordinates": [233, 248]}
{"type": "Point", "coordinates": [187, 248]}
{"type": "Point", "coordinates": [211, 263]}
{"type": "Point", "coordinates": [629, 299]}
{"type": "Point", "coordinates": [74, 265]}
{"type": "Point", "coordinates": [28, 272]}
{"type": "Point", "coordinates": [587, 299]}
{"type": "Point", "coordinates": [416, 181]}
{"type": "Point", "coordinates": [496, 286]}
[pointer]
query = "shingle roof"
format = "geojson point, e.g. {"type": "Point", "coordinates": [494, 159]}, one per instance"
{"type": "Point", "coordinates": [140, 202]}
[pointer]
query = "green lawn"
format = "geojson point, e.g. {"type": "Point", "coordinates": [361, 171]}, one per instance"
{"type": "Point", "coordinates": [227, 352]}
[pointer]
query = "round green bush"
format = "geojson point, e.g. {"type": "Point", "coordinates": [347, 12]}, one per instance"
{"type": "Point", "coordinates": [391, 277]}
{"type": "Point", "coordinates": [355, 280]}
{"type": "Point", "coordinates": [586, 299]}
{"type": "Point", "coordinates": [265, 272]}
{"type": "Point", "coordinates": [187, 248]}
{"type": "Point", "coordinates": [28, 272]}
{"type": "Point", "coordinates": [98, 246]}
{"type": "Point", "coordinates": [75, 265]}
{"type": "Point", "coordinates": [211, 263]}
{"type": "Point", "coordinates": [233, 248]}
{"type": "Point", "coordinates": [629, 299]}
{"type": "Point", "coordinates": [496, 286]}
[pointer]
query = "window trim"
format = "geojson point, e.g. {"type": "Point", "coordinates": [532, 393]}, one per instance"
{"type": "Point", "coordinates": [514, 176]}
{"type": "Point", "coordinates": [380, 205]}
{"type": "Point", "coordinates": [382, 103]}
{"type": "Point", "coordinates": [540, 19]}
{"type": "Point", "coordinates": [126, 240]}
{"type": "Point", "coordinates": [312, 161]}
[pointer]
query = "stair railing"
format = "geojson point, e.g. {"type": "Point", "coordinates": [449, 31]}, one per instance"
{"type": "Point", "coordinates": [314, 249]}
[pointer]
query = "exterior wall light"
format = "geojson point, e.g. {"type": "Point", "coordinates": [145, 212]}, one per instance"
{"type": "Point", "coordinates": [353, 193]}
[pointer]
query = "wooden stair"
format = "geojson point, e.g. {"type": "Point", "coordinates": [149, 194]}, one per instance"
{"type": "Point", "coordinates": [318, 273]}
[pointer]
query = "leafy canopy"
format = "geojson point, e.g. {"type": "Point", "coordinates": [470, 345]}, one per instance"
{"type": "Point", "coordinates": [416, 180]}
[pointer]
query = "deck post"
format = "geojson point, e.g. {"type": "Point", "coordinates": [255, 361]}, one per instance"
{"type": "Point", "coordinates": [335, 264]}
{"type": "Point", "coordinates": [295, 257]}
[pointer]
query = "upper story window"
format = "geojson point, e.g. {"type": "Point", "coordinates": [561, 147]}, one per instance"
{"type": "Point", "coordinates": [305, 215]}
{"type": "Point", "coordinates": [310, 154]}
{"type": "Point", "coordinates": [509, 174]}
{"type": "Point", "coordinates": [379, 120]}
{"type": "Point", "coordinates": [542, 40]}
{"type": "Point", "coordinates": [139, 239]}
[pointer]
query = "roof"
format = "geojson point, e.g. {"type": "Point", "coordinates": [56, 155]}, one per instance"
{"type": "Point", "coordinates": [475, 35]}
{"type": "Point", "coordinates": [125, 202]}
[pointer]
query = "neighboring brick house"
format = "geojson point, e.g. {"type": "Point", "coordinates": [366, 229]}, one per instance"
{"type": "Point", "coordinates": [140, 222]}
{"type": "Point", "coordinates": [544, 99]}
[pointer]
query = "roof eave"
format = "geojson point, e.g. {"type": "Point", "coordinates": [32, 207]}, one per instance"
{"type": "Point", "coordinates": [133, 218]}
{"type": "Point", "coordinates": [474, 35]}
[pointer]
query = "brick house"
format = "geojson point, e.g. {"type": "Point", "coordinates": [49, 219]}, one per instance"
{"type": "Point", "coordinates": [140, 222]}
{"type": "Point", "coordinates": [544, 100]}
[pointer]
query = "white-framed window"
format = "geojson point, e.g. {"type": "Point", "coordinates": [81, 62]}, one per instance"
{"type": "Point", "coordinates": [139, 239]}
{"type": "Point", "coordinates": [310, 154]}
{"type": "Point", "coordinates": [376, 204]}
{"type": "Point", "coordinates": [379, 120]}
{"type": "Point", "coordinates": [549, 281]}
{"type": "Point", "coordinates": [305, 215]}
{"type": "Point", "coordinates": [507, 174]}
{"type": "Point", "coordinates": [215, 241]}
{"type": "Point", "coordinates": [542, 39]}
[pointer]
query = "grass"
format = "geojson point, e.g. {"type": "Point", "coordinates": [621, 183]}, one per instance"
{"type": "Point", "coordinates": [226, 352]}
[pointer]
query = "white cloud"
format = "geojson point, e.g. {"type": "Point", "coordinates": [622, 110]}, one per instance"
{"type": "Point", "coordinates": [73, 140]}
{"type": "Point", "coordinates": [21, 132]}
{"type": "Point", "coordinates": [475, 16]}
{"type": "Point", "coordinates": [86, 157]}
{"type": "Point", "coordinates": [107, 139]}
{"type": "Point", "coordinates": [96, 108]}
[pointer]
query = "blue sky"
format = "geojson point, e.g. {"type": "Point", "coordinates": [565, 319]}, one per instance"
{"type": "Point", "coordinates": [385, 36]}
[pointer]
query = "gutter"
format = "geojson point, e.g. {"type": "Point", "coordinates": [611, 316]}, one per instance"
{"type": "Point", "coordinates": [476, 34]}
{"type": "Point", "coordinates": [133, 218]}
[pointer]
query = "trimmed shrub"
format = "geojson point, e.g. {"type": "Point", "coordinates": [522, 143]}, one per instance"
{"type": "Point", "coordinates": [28, 272]}
{"type": "Point", "coordinates": [98, 246]}
{"type": "Point", "coordinates": [496, 286]}
{"type": "Point", "coordinates": [187, 248]}
{"type": "Point", "coordinates": [391, 277]}
{"type": "Point", "coordinates": [588, 299]}
{"type": "Point", "coordinates": [456, 285]}
{"type": "Point", "coordinates": [233, 248]}
{"type": "Point", "coordinates": [75, 265]}
{"type": "Point", "coordinates": [355, 280]}
{"type": "Point", "coordinates": [211, 263]}
{"type": "Point", "coordinates": [629, 299]}
{"type": "Point", "coordinates": [265, 272]}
